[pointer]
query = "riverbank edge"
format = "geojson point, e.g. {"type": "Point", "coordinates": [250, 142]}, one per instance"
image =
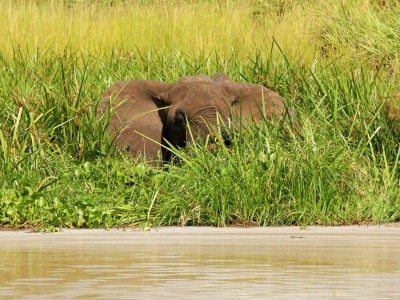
{"type": "Point", "coordinates": [362, 229]}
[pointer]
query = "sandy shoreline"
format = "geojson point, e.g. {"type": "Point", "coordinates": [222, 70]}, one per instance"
{"type": "Point", "coordinates": [372, 230]}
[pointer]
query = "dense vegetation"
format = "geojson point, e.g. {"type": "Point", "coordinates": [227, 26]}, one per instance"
{"type": "Point", "coordinates": [336, 62]}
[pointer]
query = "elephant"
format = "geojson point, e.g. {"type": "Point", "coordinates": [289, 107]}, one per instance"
{"type": "Point", "coordinates": [147, 116]}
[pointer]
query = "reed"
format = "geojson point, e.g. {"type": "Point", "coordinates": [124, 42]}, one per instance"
{"type": "Point", "coordinates": [129, 27]}
{"type": "Point", "coordinates": [336, 69]}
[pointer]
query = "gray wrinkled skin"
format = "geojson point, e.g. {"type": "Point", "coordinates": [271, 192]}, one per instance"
{"type": "Point", "coordinates": [146, 114]}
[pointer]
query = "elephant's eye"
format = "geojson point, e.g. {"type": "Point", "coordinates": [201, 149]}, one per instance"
{"type": "Point", "coordinates": [180, 119]}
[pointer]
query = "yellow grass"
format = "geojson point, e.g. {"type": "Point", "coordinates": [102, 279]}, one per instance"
{"type": "Point", "coordinates": [306, 30]}
{"type": "Point", "coordinates": [195, 28]}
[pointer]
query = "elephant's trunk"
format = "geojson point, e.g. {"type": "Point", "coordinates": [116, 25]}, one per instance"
{"type": "Point", "coordinates": [210, 121]}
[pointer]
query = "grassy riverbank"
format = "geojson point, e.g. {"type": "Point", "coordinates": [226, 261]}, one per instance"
{"type": "Point", "coordinates": [337, 66]}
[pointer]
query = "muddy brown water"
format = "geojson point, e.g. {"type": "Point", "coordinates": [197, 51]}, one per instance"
{"type": "Point", "coordinates": [360, 262]}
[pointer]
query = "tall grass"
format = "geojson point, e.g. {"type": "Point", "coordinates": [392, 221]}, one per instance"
{"type": "Point", "coordinates": [195, 27]}
{"type": "Point", "coordinates": [306, 30]}
{"type": "Point", "coordinates": [58, 168]}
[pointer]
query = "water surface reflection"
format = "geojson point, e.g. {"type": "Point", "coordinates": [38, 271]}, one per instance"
{"type": "Point", "coordinates": [255, 263]}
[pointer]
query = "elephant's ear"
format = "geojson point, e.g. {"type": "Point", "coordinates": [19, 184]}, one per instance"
{"type": "Point", "coordinates": [132, 98]}
{"type": "Point", "coordinates": [136, 91]}
{"type": "Point", "coordinates": [253, 101]}
{"type": "Point", "coordinates": [137, 114]}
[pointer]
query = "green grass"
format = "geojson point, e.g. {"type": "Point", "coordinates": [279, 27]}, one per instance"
{"type": "Point", "coordinates": [58, 168]}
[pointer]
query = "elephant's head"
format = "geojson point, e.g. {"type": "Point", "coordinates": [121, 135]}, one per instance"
{"type": "Point", "coordinates": [200, 104]}
{"type": "Point", "coordinates": [148, 113]}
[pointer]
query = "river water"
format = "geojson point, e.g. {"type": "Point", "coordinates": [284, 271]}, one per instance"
{"type": "Point", "coordinates": [359, 262]}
